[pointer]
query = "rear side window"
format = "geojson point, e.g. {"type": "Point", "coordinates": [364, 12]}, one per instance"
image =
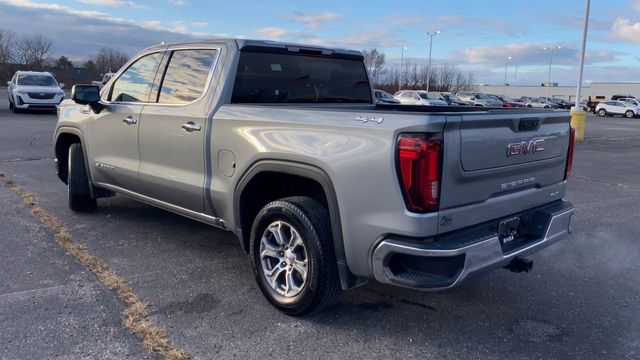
{"type": "Point", "coordinates": [289, 78]}
{"type": "Point", "coordinates": [134, 85]}
{"type": "Point", "coordinates": [186, 76]}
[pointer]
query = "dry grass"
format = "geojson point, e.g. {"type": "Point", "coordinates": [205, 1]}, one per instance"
{"type": "Point", "coordinates": [136, 315]}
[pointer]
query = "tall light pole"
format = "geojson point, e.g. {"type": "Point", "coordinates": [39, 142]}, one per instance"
{"type": "Point", "coordinates": [430, 35]}
{"type": "Point", "coordinates": [582, 52]}
{"type": "Point", "coordinates": [515, 76]}
{"type": "Point", "coordinates": [401, 69]}
{"type": "Point", "coordinates": [506, 65]}
{"type": "Point", "coordinates": [550, 49]}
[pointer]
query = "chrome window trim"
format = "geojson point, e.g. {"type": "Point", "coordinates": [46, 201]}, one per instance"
{"type": "Point", "coordinates": [205, 91]}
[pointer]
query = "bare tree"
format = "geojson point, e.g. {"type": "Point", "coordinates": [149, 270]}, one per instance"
{"type": "Point", "coordinates": [32, 50]}
{"type": "Point", "coordinates": [374, 62]}
{"type": "Point", "coordinates": [6, 47]}
{"type": "Point", "coordinates": [63, 62]}
{"type": "Point", "coordinates": [446, 77]}
{"type": "Point", "coordinates": [109, 60]}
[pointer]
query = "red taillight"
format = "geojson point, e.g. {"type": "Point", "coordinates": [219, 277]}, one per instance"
{"type": "Point", "coordinates": [572, 138]}
{"type": "Point", "coordinates": [419, 163]}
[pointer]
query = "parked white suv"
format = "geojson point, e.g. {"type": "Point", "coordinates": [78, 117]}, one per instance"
{"type": "Point", "coordinates": [610, 108]}
{"type": "Point", "coordinates": [34, 90]}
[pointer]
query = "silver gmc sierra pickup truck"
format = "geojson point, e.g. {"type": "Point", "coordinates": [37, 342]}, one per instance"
{"type": "Point", "coordinates": [282, 145]}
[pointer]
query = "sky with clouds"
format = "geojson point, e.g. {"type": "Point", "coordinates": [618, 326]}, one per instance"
{"type": "Point", "coordinates": [477, 36]}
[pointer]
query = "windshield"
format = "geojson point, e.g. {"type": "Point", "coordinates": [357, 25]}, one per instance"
{"type": "Point", "coordinates": [483, 96]}
{"type": "Point", "coordinates": [36, 80]}
{"type": "Point", "coordinates": [291, 78]}
{"type": "Point", "coordinates": [383, 94]}
{"type": "Point", "coordinates": [506, 98]}
{"type": "Point", "coordinates": [453, 98]}
{"type": "Point", "coordinates": [428, 96]}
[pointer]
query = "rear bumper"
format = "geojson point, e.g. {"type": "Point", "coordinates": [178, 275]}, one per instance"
{"type": "Point", "coordinates": [446, 261]}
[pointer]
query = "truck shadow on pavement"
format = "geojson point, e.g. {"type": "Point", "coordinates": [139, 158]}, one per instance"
{"type": "Point", "coordinates": [200, 285]}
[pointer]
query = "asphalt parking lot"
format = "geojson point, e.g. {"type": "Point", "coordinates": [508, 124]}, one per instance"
{"type": "Point", "coordinates": [582, 301]}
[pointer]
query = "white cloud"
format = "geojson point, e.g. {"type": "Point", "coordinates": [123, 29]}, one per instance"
{"type": "Point", "coordinates": [114, 3]}
{"type": "Point", "coordinates": [276, 33]}
{"type": "Point", "coordinates": [314, 21]}
{"type": "Point", "coordinates": [625, 30]}
{"type": "Point", "coordinates": [465, 23]}
{"type": "Point", "coordinates": [28, 4]}
{"type": "Point", "coordinates": [178, 2]}
{"type": "Point", "coordinates": [199, 24]}
{"type": "Point", "coordinates": [179, 27]}
{"type": "Point", "coordinates": [531, 54]}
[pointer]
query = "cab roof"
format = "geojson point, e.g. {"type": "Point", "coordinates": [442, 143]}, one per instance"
{"type": "Point", "coordinates": [268, 46]}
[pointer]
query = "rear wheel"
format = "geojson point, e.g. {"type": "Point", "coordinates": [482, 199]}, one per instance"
{"type": "Point", "coordinates": [629, 114]}
{"type": "Point", "coordinates": [10, 104]}
{"type": "Point", "coordinates": [80, 198]}
{"type": "Point", "coordinates": [602, 112]}
{"type": "Point", "coordinates": [293, 258]}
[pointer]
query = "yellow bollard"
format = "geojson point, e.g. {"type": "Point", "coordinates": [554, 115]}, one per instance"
{"type": "Point", "coordinates": [578, 120]}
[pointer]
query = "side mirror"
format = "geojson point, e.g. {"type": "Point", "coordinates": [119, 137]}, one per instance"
{"type": "Point", "coordinates": [87, 95]}
{"type": "Point", "coordinates": [61, 85]}
{"type": "Point", "coordinates": [8, 83]}
{"type": "Point", "coordinates": [472, 98]}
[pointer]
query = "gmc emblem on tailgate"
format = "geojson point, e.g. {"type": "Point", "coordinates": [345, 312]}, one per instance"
{"type": "Point", "coordinates": [525, 148]}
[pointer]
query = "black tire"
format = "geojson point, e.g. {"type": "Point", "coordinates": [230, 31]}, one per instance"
{"type": "Point", "coordinates": [602, 112]}
{"type": "Point", "coordinates": [10, 104]}
{"type": "Point", "coordinates": [529, 106]}
{"type": "Point", "coordinates": [311, 220]}
{"type": "Point", "coordinates": [629, 114]}
{"type": "Point", "coordinates": [80, 199]}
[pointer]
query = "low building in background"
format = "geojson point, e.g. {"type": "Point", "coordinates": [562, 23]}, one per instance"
{"type": "Point", "coordinates": [600, 90]}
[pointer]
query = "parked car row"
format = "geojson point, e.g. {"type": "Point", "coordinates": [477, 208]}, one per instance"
{"type": "Point", "coordinates": [462, 98]}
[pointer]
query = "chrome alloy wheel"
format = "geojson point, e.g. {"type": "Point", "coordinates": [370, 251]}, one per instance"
{"type": "Point", "coordinates": [284, 258]}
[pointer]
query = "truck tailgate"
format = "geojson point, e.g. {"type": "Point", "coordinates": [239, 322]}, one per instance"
{"type": "Point", "coordinates": [498, 163]}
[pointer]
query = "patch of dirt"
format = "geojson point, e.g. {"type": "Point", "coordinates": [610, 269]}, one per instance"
{"type": "Point", "coordinates": [136, 315]}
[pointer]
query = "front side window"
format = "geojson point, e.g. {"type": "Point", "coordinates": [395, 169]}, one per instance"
{"type": "Point", "coordinates": [36, 80]}
{"type": "Point", "coordinates": [294, 78]}
{"type": "Point", "coordinates": [186, 76]}
{"type": "Point", "coordinates": [134, 85]}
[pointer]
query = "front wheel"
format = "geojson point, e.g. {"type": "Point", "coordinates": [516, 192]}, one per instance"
{"type": "Point", "coordinates": [602, 113]}
{"type": "Point", "coordinates": [80, 198]}
{"type": "Point", "coordinates": [293, 258]}
{"type": "Point", "coordinates": [629, 114]}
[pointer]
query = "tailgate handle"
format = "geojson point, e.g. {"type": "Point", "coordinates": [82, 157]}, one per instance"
{"type": "Point", "coordinates": [528, 124]}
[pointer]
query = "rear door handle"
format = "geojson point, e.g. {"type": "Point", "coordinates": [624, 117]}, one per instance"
{"type": "Point", "coordinates": [129, 120]}
{"type": "Point", "coordinates": [190, 127]}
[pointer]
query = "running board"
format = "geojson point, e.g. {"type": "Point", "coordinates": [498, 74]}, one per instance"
{"type": "Point", "coordinates": [207, 219]}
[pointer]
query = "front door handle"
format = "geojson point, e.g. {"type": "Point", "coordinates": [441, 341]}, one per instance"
{"type": "Point", "coordinates": [190, 127]}
{"type": "Point", "coordinates": [129, 120]}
